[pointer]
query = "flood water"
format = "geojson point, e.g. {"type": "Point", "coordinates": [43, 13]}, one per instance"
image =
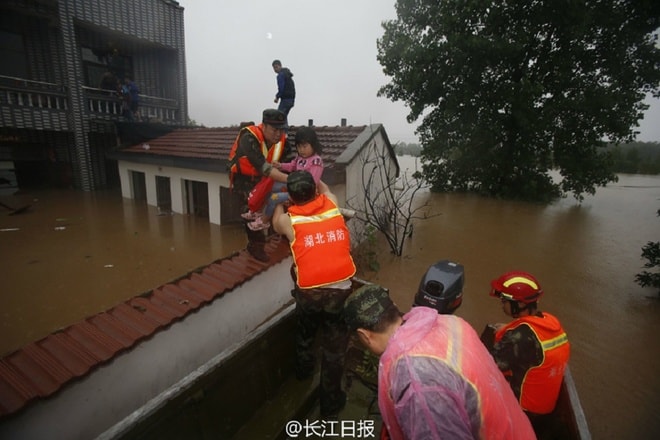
{"type": "Point", "coordinates": [73, 254]}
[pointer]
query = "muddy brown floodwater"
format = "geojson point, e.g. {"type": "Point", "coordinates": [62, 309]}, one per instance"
{"type": "Point", "coordinates": [74, 254]}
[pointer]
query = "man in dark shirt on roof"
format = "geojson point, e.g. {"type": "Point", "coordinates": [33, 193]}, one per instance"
{"type": "Point", "coordinates": [286, 90]}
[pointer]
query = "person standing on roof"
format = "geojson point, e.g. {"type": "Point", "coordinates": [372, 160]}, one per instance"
{"type": "Point", "coordinates": [286, 90]}
{"type": "Point", "coordinates": [436, 380]}
{"type": "Point", "coordinates": [532, 350]}
{"type": "Point", "coordinates": [322, 271]}
{"type": "Point", "coordinates": [251, 158]}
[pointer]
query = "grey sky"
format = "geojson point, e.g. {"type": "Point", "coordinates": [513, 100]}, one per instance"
{"type": "Point", "coordinates": [330, 46]}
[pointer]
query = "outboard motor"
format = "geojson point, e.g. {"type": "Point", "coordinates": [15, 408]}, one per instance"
{"type": "Point", "coordinates": [441, 287]}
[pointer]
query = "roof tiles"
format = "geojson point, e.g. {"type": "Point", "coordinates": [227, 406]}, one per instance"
{"type": "Point", "coordinates": [41, 368]}
{"type": "Point", "coordinates": [215, 143]}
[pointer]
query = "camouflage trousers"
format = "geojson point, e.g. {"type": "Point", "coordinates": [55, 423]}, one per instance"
{"type": "Point", "coordinates": [322, 309]}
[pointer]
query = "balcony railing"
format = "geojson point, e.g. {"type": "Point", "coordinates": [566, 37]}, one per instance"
{"type": "Point", "coordinates": [105, 102]}
{"type": "Point", "coordinates": [25, 93]}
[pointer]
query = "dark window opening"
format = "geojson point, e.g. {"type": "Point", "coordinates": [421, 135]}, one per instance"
{"type": "Point", "coordinates": [12, 54]}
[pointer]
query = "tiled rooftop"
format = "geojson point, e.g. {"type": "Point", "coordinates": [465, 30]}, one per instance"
{"type": "Point", "coordinates": [215, 143]}
{"type": "Point", "coordinates": [41, 368]}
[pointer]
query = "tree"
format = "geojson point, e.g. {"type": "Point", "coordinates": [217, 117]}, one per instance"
{"type": "Point", "coordinates": [407, 149]}
{"type": "Point", "coordinates": [508, 91]}
{"type": "Point", "coordinates": [651, 253]}
{"type": "Point", "coordinates": [387, 202]}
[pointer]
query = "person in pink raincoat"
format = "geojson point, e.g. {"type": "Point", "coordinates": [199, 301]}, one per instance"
{"type": "Point", "coordinates": [436, 380]}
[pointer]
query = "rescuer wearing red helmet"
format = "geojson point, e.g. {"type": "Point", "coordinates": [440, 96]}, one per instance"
{"type": "Point", "coordinates": [532, 350]}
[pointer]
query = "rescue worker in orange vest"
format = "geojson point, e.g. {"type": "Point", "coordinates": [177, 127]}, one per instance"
{"type": "Point", "coordinates": [532, 350]}
{"type": "Point", "coordinates": [436, 380]}
{"type": "Point", "coordinates": [322, 271]}
{"type": "Point", "coordinates": [251, 157]}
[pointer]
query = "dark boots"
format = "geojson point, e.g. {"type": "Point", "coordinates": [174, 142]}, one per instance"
{"type": "Point", "coordinates": [256, 245]}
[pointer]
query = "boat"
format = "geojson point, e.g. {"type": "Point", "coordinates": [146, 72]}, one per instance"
{"type": "Point", "coordinates": [269, 401]}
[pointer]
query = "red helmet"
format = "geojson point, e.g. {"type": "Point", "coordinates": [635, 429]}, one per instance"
{"type": "Point", "coordinates": [516, 286]}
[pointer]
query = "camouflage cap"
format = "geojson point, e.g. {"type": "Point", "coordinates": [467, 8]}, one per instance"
{"type": "Point", "coordinates": [364, 307]}
{"type": "Point", "coordinates": [273, 117]}
{"type": "Point", "coordinates": [301, 186]}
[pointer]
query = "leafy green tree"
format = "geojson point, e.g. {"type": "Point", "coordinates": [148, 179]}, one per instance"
{"type": "Point", "coordinates": [651, 253]}
{"type": "Point", "coordinates": [408, 149]}
{"type": "Point", "coordinates": [508, 91]}
{"type": "Point", "coordinates": [636, 158]}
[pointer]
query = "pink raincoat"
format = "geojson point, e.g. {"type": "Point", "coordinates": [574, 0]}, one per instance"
{"type": "Point", "coordinates": [436, 380]}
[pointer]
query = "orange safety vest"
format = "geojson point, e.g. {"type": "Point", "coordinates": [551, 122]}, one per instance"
{"type": "Point", "coordinates": [241, 165]}
{"type": "Point", "coordinates": [321, 244]}
{"type": "Point", "coordinates": [452, 341]}
{"type": "Point", "coordinates": [540, 387]}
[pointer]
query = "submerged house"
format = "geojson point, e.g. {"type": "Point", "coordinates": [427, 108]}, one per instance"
{"type": "Point", "coordinates": [58, 116]}
{"type": "Point", "coordinates": [186, 171]}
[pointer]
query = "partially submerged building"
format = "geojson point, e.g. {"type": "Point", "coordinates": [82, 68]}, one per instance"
{"type": "Point", "coordinates": [57, 114]}
{"type": "Point", "coordinates": [186, 171]}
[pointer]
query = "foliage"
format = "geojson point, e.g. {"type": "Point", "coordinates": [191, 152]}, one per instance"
{"type": "Point", "coordinates": [651, 253]}
{"type": "Point", "coordinates": [366, 252]}
{"type": "Point", "coordinates": [386, 203]}
{"type": "Point", "coordinates": [402, 149]}
{"type": "Point", "coordinates": [193, 123]}
{"type": "Point", "coordinates": [636, 158]}
{"type": "Point", "coordinates": [508, 91]}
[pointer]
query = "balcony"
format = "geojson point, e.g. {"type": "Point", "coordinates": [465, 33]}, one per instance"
{"type": "Point", "coordinates": [32, 104]}
{"type": "Point", "coordinates": [44, 106]}
{"type": "Point", "coordinates": [107, 104]}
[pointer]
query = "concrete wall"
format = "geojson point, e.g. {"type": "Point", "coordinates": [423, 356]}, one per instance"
{"type": "Point", "coordinates": [177, 178]}
{"type": "Point", "coordinates": [89, 407]}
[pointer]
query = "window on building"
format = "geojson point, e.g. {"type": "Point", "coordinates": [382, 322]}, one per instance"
{"type": "Point", "coordinates": [97, 63]}
{"type": "Point", "coordinates": [12, 54]}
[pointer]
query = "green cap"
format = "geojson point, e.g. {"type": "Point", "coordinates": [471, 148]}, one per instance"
{"type": "Point", "coordinates": [273, 117]}
{"type": "Point", "coordinates": [364, 307]}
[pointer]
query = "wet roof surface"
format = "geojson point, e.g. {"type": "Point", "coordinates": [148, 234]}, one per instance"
{"type": "Point", "coordinates": [41, 368]}
{"type": "Point", "coordinates": [215, 143]}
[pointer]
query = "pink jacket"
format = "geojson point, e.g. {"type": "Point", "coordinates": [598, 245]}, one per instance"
{"type": "Point", "coordinates": [313, 164]}
{"type": "Point", "coordinates": [436, 380]}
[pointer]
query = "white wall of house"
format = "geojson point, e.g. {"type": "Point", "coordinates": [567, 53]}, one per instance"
{"type": "Point", "coordinates": [178, 177]}
{"type": "Point", "coordinates": [357, 160]}
{"type": "Point", "coordinates": [357, 172]}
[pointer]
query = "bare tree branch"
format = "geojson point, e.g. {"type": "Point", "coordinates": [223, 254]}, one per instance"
{"type": "Point", "coordinates": [388, 202]}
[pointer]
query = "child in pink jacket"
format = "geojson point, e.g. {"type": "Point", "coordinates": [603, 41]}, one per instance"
{"type": "Point", "coordinates": [308, 159]}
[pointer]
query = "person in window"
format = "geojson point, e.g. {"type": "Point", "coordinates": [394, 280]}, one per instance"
{"type": "Point", "coordinates": [108, 82]}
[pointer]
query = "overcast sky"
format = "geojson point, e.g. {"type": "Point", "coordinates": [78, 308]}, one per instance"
{"type": "Point", "coordinates": [330, 46]}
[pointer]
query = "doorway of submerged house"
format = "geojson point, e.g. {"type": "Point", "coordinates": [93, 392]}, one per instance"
{"type": "Point", "coordinates": [197, 198]}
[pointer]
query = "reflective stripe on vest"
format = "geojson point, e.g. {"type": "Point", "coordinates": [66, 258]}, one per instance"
{"type": "Point", "coordinates": [299, 219]}
{"type": "Point", "coordinates": [540, 387]}
{"type": "Point", "coordinates": [321, 244]}
{"type": "Point", "coordinates": [242, 165]}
